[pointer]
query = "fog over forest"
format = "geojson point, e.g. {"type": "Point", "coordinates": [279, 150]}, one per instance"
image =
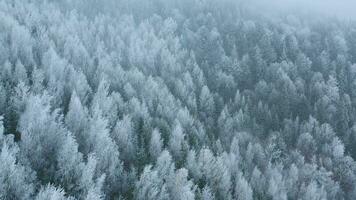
{"type": "Point", "coordinates": [177, 100]}
{"type": "Point", "coordinates": [344, 9]}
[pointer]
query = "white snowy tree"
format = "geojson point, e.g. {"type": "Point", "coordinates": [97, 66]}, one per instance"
{"type": "Point", "coordinates": [156, 144]}
{"type": "Point", "coordinates": [16, 181]}
{"type": "Point", "coordinates": [125, 138]}
{"type": "Point", "coordinates": [52, 192]}
{"type": "Point", "coordinates": [150, 186]}
{"type": "Point", "coordinates": [243, 190]}
{"type": "Point", "coordinates": [176, 142]}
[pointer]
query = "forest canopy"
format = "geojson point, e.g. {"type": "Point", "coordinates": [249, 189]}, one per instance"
{"type": "Point", "coordinates": [175, 100]}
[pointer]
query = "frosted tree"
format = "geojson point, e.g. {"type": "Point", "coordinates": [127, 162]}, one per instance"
{"type": "Point", "coordinates": [76, 119]}
{"type": "Point", "coordinates": [16, 181]}
{"type": "Point", "coordinates": [306, 144]}
{"type": "Point", "coordinates": [89, 183]}
{"type": "Point", "coordinates": [314, 192]}
{"type": "Point", "coordinates": [186, 91]}
{"type": "Point", "coordinates": [21, 48]}
{"type": "Point", "coordinates": [232, 159]}
{"type": "Point", "coordinates": [104, 100]}
{"type": "Point", "coordinates": [258, 183]}
{"type": "Point", "coordinates": [51, 192]}
{"type": "Point", "coordinates": [181, 187]}
{"type": "Point", "coordinates": [292, 181]}
{"type": "Point", "coordinates": [215, 173]}
{"type": "Point", "coordinates": [16, 107]}
{"type": "Point", "coordinates": [150, 186]}
{"type": "Point", "coordinates": [6, 73]}
{"type": "Point", "coordinates": [221, 180]}
{"type": "Point", "coordinates": [206, 102]}
{"type": "Point", "coordinates": [207, 107]}
{"type": "Point", "coordinates": [78, 81]}
{"type": "Point", "coordinates": [165, 165]}
{"type": "Point", "coordinates": [98, 141]}
{"type": "Point", "coordinates": [156, 144]}
{"type": "Point", "coordinates": [20, 73]}
{"type": "Point", "coordinates": [276, 185]}
{"type": "Point", "coordinates": [192, 165]}
{"type": "Point", "coordinates": [75, 176]}
{"type": "Point", "coordinates": [42, 135]}
{"type": "Point", "coordinates": [55, 75]}
{"type": "Point", "coordinates": [3, 97]}
{"type": "Point", "coordinates": [176, 142]}
{"type": "Point", "coordinates": [226, 126]}
{"type": "Point", "coordinates": [94, 191]}
{"type": "Point", "coordinates": [37, 78]}
{"type": "Point", "coordinates": [125, 138]}
{"type": "Point", "coordinates": [242, 188]}
{"type": "Point", "coordinates": [207, 194]}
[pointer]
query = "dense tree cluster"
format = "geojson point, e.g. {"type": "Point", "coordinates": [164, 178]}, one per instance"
{"type": "Point", "coordinates": [174, 99]}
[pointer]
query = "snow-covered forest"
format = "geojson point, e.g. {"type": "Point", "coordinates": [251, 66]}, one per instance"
{"type": "Point", "coordinates": [174, 100]}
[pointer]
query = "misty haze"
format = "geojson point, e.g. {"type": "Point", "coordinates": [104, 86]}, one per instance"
{"type": "Point", "coordinates": [177, 99]}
